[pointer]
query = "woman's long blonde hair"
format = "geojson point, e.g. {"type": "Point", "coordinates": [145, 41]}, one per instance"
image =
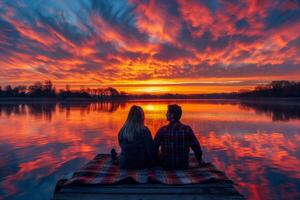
{"type": "Point", "coordinates": [134, 123]}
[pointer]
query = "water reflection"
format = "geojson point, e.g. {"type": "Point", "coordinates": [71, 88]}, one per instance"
{"type": "Point", "coordinates": [40, 143]}
{"type": "Point", "coordinates": [277, 111]}
{"type": "Point", "coordinates": [45, 110]}
{"type": "Point", "coordinates": [280, 111]}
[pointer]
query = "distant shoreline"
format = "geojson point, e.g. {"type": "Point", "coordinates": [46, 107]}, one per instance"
{"type": "Point", "coordinates": [133, 99]}
{"type": "Point", "coordinates": [276, 91]}
{"type": "Point", "coordinates": [55, 100]}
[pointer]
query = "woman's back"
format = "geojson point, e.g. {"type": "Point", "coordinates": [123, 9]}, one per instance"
{"type": "Point", "coordinates": [137, 152]}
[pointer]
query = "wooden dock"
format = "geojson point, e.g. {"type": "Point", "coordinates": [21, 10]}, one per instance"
{"type": "Point", "coordinates": [211, 191]}
{"type": "Point", "coordinates": [87, 187]}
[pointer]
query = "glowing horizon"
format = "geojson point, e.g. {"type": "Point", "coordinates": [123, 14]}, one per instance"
{"type": "Point", "coordinates": [152, 46]}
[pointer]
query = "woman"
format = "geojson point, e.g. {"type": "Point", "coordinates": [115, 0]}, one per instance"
{"type": "Point", "coordinates": [137, 146]}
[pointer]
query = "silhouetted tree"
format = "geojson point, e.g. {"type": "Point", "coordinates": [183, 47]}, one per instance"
{"type": "Point", "coordinates": [15, 91]}
{"type": "Point", "coordinates": [112, 92]}
{"type": "Point", "coordinates": [8, 91]}
{"type": "Point", "coordinates": [275, 89]}
{"type": "Point", "coordinates": [281, 84]}
{"type": "Point", "coordinates": [36, 90]}
{"type": "Point", "coordinates": [48, 89]}
{"type": "Point", "coordinates": [21, 90]}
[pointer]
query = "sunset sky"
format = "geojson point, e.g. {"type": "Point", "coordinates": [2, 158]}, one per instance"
{"type": "Point", "coordinates": [140, 46]}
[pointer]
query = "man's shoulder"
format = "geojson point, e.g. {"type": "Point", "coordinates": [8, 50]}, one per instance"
{"type": "Point", "coordinates": [161, 131]}
{"type": "Point", "coordinates": [163, 128]}
{"type": "Point", "coordinates": [184, 126]}
{"type": "Point", "coordinates": [185, 129]}
{"type": "Point", "coordinates": [181, 126]}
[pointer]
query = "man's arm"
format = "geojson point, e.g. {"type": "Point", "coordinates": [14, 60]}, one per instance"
{"type": "Point", "coordinates": [195, 146]}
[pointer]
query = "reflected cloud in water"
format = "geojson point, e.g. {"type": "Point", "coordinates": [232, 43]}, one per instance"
{"type": "Point", "coordinates": [40, 143]}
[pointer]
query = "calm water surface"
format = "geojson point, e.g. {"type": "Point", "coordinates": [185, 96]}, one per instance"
{"type": "Point", "coordinates": [256, 144]}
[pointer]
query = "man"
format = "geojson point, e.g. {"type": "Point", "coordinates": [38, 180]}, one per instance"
{"type": "Point", "coordinates": [175, 141]}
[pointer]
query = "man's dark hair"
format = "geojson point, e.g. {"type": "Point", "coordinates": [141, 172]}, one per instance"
{"type": "Point", "coordinates": [176, 111]}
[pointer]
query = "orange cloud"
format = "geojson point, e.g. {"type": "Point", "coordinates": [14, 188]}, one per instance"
{"type": "Point", "coordinates": [106, 43]}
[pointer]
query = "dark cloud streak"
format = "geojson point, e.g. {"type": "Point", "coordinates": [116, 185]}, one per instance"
{"type": "Point", "coordinates": [136, 40]}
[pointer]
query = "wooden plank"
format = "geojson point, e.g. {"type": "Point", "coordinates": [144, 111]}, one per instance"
{"type": "Point", "coordinates": [145, 197]}
{"type": "Point", "coordinates": [147, 186]}
{"type": "Point", "coordinates": [157, 185]}
{"type": "Point", "coordinates": [150, 191]}
{"type": "Point", "coordinates": [131, 190]}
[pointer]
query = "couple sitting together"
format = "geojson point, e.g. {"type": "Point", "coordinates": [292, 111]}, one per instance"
{"type": "Point", "coordinates": [169, 149]}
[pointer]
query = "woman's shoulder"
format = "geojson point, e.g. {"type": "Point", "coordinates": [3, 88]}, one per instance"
{"type": "Point", "coordinates": [145, 129]}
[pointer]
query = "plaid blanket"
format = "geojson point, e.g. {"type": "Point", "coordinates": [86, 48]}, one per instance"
{"type": "Point", "coordinates": [101, 170]}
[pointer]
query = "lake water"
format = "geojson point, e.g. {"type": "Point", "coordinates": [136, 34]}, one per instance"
{"type": "Point", "coordinates": [256, 144]}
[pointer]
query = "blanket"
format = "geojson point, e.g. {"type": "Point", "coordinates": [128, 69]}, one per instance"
{"type": "Point", "coordinates": [101, 170]}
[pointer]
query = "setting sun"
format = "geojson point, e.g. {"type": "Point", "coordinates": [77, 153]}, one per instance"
{"type": "Point", "coordinates": [151, 90]}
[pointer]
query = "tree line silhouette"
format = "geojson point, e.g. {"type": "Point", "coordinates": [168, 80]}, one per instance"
{"type": "Point", "coordinates": [47, 90]}
{"type": "Point", "coordinates": [283, 89]}
{"type": "Point", "coordinates": [275, 89]}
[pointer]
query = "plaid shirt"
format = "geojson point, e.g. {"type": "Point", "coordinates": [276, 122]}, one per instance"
{"type": "Point", "coordinates": [175, 140]}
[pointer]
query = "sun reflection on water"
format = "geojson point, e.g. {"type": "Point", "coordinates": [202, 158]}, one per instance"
{"type": "Point", "coordinates": [41, 143]}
